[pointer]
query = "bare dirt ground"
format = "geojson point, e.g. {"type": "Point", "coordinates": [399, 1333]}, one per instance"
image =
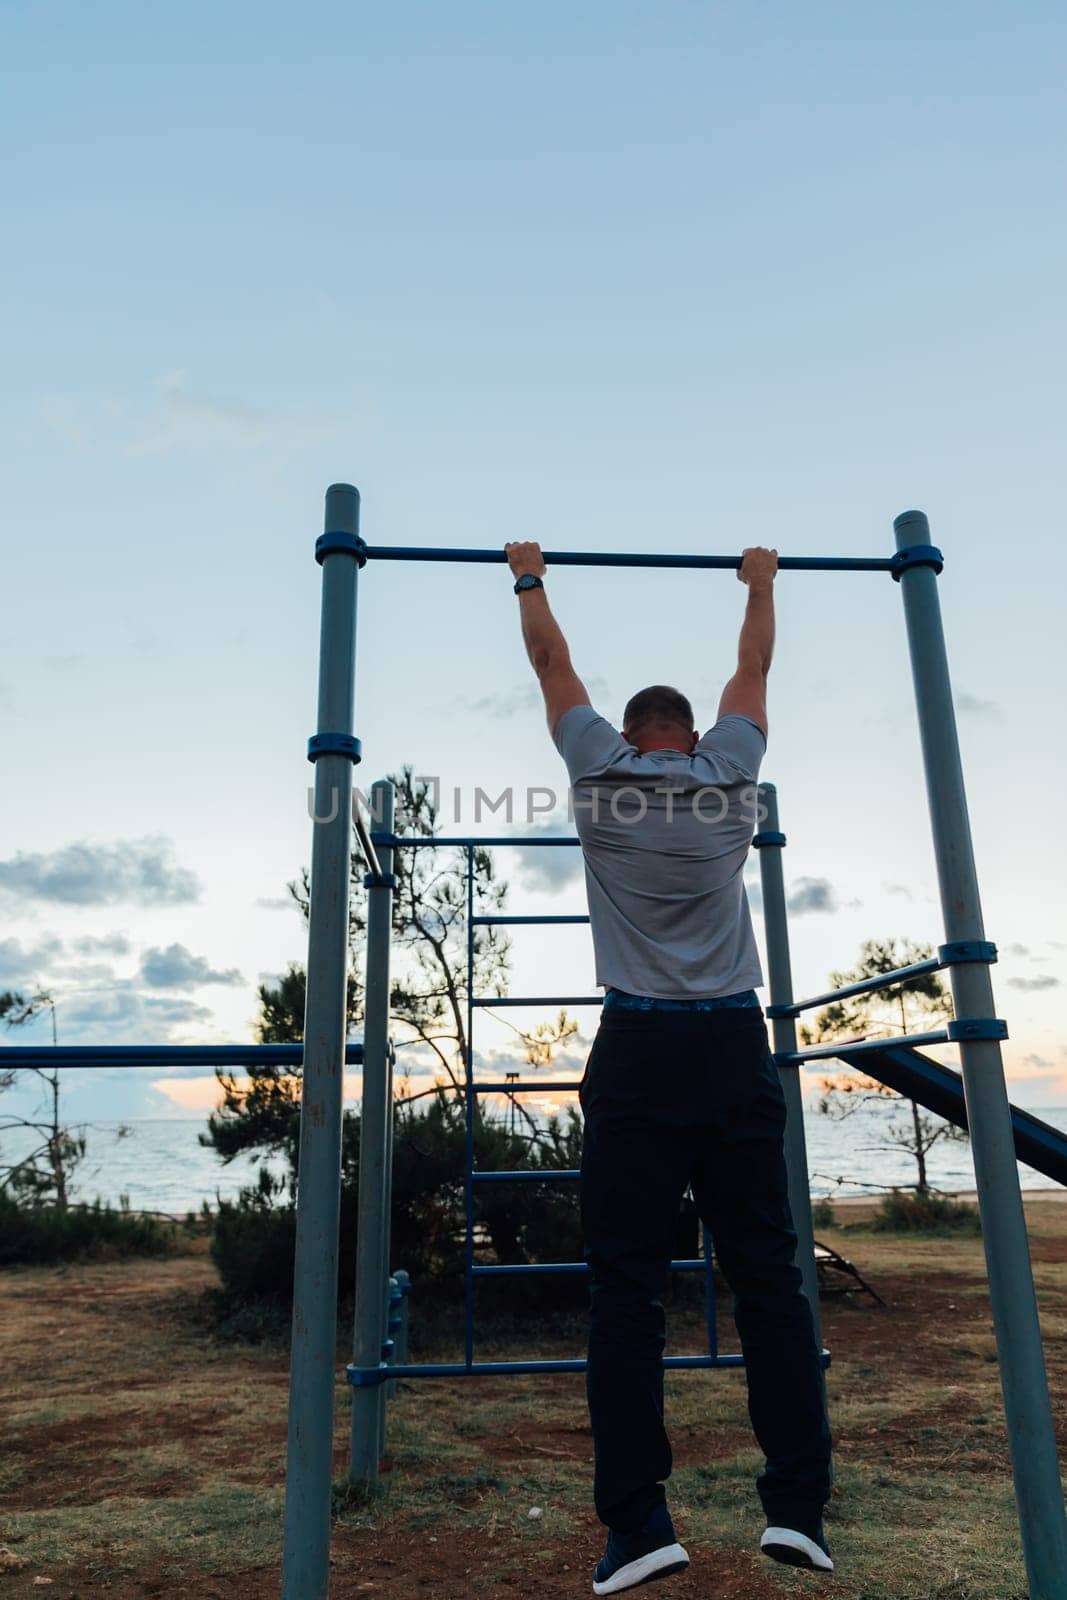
{"type": "Point", "coordinates": [143, 1457]}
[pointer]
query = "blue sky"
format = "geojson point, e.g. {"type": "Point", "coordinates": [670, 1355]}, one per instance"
{"type": "Point", "coordinates": [611, 275]}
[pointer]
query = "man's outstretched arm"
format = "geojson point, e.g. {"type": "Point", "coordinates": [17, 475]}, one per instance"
{"type": "Point", "coordinates": [746, 692]}
{"type": "Point", "coordinates": [543, 638]}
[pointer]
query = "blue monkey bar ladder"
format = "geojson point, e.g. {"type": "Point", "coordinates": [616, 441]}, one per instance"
{"type": "Point", "coordinates": [379, 1372]}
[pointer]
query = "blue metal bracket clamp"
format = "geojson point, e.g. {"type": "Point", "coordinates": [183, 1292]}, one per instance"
{"type": "Point", "coordinates": [915, 555]}
{"type": "Point", "coordinates": [977, 1028]}
{"type": "Point", "coordinates": [335, 744]}
{"type": "Point", "coordinates": [388, 1346]}
{"type": "Point", "coordinates": [383, 880]}
{"type": "Point", "coordinates": [960, 950]}
{"type": "Point", "coordinates": [350, 543]}
{"type": "Point", "coordinates": [760, 841]}
{"type": "Point", "coordinates": [783, 1010]}
{"type": "Point", "coordinates": [366, 1377]}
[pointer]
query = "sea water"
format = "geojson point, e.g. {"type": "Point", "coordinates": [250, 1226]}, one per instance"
{"type": "Point", "coordinates": [158, 1164]}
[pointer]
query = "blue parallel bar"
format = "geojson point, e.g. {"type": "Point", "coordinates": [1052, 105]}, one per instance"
{"type": "Point", "coordinates": [918, 969]}
{"type": "Point", "coordinates": [540, 1000]}
{"type": "Point", "coordinates": [827, 1052]}
{"type": "Point", "coordinates": [161, 1055]}
{"type": "Point", "coordinates": [426, 841]}
{"type": "Point", "coordinates": [525, 1088]}
{"type": "Point", "coordinates": [552, 1269]}
{"type": "Point", "coordinates": [626, 558]}
{"type": "Point", "coordinates": [514, 922]}
{"type": "Point", "coordinates": [549, 1175]}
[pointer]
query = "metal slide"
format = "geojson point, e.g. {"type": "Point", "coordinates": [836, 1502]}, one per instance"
{"type": "Point", "coordinates": [940, 1090]}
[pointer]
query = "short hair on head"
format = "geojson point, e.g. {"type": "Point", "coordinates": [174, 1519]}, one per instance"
{"type": "Point", "coordinates": [657, 705]}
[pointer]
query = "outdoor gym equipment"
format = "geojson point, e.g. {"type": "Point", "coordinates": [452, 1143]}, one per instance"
{"type": "Point", "coordinates": [966, 955]}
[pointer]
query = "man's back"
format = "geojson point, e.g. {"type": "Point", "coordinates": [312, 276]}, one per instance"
{"type": "Point", "coordinates": [665, 836]}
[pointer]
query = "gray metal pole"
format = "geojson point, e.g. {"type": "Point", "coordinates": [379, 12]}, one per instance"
{"type": "Point", "coordinates": [387, 1390]}
{"type": "Point", "coordinates": [372, 1225]}
{"type": "Point", "coordinates": [1011, 1286]}
{"type": "Point", "coordinates": [770, 842]}
{"type": "Point", "coordinates": [306, 1561]}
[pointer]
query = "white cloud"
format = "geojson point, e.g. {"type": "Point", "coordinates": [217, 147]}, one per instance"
{"type": "Point", "coordinates": [22, 964]}
{"type": "Point", "coordinates": [811, 895]}
{"type": "Point", "coordinates": [526, 697]}
{"type": "Point", "coordinates": [139, 871]}
{"type": "Point", "coordinates": [121, 1015]}
{"type": "Point", "coordinates": [1033, 985]}
{"type": "Point", "coordinates": [180, 418]}
{"type": "Point", "coordinates": [177, 968]}
{"type": "Point", "coordinates": [187, 420]}
{"type": "Point", "coordinates": [974, 705]}
{"type": "Point", "coordinates": [547, 868]}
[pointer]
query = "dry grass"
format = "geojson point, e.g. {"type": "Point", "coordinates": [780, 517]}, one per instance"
{"type": "Point", "coordinates": [146, 1458]}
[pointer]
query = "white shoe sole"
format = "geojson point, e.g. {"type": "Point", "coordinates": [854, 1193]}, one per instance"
{"type": "Point", "coordinates": [796, 1549]}
{"type": "Point", "coordinates": [657, 1564]}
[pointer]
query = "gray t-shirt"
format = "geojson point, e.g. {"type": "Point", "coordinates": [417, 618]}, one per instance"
{"type": "Point", "coordinates": [665, 837]}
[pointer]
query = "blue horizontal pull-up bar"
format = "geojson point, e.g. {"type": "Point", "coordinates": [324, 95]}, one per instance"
{"type": "Point", "coordinates": [626, 558]}
{"type": "Point", "coordinates": [162, 1055]}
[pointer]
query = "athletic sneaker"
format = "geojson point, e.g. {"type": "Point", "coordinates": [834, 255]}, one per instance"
{"type": "Point", "coordinates": [633, 1558]}
{"type": "Point", "coordinates": [797, 1549]}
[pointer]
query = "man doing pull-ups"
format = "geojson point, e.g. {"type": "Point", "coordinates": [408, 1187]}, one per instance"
{"type": "Point", "coordinates": [680, 1089]}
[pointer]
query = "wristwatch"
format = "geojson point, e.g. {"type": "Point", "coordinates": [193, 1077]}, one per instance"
{"type": "Point", "coordinates": [527, 581]}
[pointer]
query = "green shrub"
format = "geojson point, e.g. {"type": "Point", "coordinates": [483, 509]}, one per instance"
{"type": "Point", "coordinates": [253, 1242]}
{"type": "Point", "coordinates": [41, 1235]}
{"type": "Point", "coordinates": [822, 1214]}
{"type": "Point", "coordinates": [253, 1245]}
{"type": "Point", "coordinates": [925, 1212]}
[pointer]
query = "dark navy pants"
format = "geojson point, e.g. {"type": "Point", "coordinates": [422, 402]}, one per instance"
{"type": "Point", "coordinates": [672, 1099]}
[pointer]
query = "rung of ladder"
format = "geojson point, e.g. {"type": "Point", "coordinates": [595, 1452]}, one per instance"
{"type": "Point", "coordinates": [512, 922]}
{"type": "Point", "coordinates": [546, 1269]}
{"type": "Point", "coordinates": [547, 1175]}
{"type": "Point", "coordinates": [539, 1000]}
{"type": "Point", "coordinates": [359, 1376]}
{"type": "Point", "coordinates": [526, 1087]}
